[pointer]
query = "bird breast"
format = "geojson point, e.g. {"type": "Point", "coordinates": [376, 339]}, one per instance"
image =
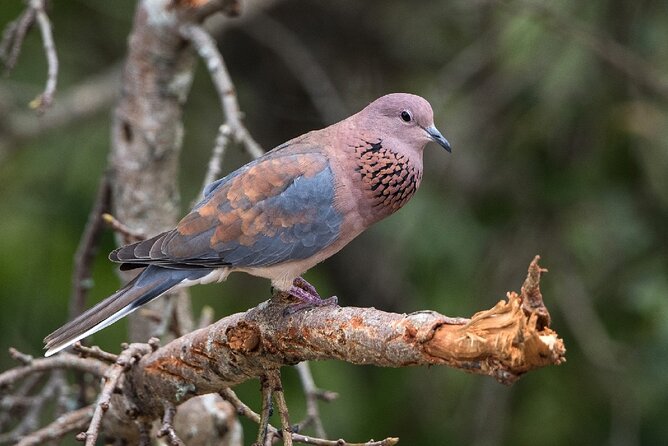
{"type": "Point", "coordinates": [388, 178]}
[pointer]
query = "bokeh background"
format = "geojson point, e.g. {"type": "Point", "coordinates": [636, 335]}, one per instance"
{"type": "Point", "coordinates": [558, 117]}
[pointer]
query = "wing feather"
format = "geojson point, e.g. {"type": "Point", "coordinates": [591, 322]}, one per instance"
{"type": "Point", "coordinates": [276, 209]}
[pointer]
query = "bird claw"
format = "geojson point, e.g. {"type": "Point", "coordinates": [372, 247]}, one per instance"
{"type": "Point", "coordinates": [308, 297]}
{"type": "Point", "coordinates": [296, 308]}
{"type": "Point", "coordinates": [300, 282]}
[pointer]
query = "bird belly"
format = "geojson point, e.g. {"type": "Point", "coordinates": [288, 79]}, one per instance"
{"type": "Point", "coordinates": [217, 275]}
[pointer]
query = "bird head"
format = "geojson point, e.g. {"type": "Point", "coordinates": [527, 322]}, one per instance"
{"type": "Point", "coordinates": [406, 117]}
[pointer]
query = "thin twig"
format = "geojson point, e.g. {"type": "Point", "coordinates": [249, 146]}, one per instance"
{"type": "Point", "coordinates": [13, 37]}
{"type": "Point", "coordinates": [242, 409]}
{"type": "Point", "coordinates": [274, 377]}
{"type": "Point", "coordinates": [312, 394]}
{"type": "Point", "coordinates": [390, 441]}
{"type": "Point", "coordinates": [222, 140]}
{"type": "Point", "coordinates": [94, 352]}
{"type": "Point", "coordinates": [267, 410]}
{"type": "Point", "coordinates": [167, 429]}
{"type": "Point", "coordinates": [88, 244]}
{"type": "Point", "coordinates": [61, 361]}
{"type": "Point", "coordinates": [28, 409]}
{"type": "Point", "coordinates": [144, 428]}
{"type": "Point", "coordinates": [74, 106]}
{"type": "Point", "coordinates": [208, 51]}
{"type": "Point", "coordinates": [21, 357]}
{"type": "Point", "coordinates": [125, 361]}
{"type": "Point", "coordinates": [129, 235]}
{"type": "Point", "coordinates": [45, 99]}
{"type": "Point", "coordinates": [8, 407]}
{"type": "Point", "coordinates": [70, 422]}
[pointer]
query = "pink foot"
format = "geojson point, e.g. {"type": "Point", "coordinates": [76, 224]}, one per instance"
{"type": "Point", "coordinates": [308, 296]}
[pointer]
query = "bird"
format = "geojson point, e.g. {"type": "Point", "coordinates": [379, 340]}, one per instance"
{"type": "Point", "coordinates": [281, 214]}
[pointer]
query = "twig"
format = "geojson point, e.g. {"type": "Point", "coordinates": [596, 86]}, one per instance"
{"type": "Point", "coordinates": [28, 409]}
{"type": "Point", "coordinates": [312, 394]}
{"type": "Point", "coordinates": [144, 428]}
{"type": "Point", "coordinates": [61, 361]}
{"type": "Point", "coordinates": [71, 421]}
{"type": "Point", "coordinates": [207, 50]}
{"type": "Point", "coordinates": [75, 105]}
{"type": "Point", "coordinates": [20, 396]}
{"type": "Point", "coordinates": [274, 378]}
{"type": "Point", "coordinates": [222, 140]}
{"type": "Point", "coordinates": [45, 99]}
{"type": "Point", "coordinates": [242, 409]}
{"type": "Point", "coordinates": [167, 429]}
{"type": "Point", "coordinates": [304, 67]}
{"type": "Point", "coordinates": [267, 409]}
{"type": "Point", "coordinates": [13, 37]}
{"type": "Point", "coordinates": [125, 361]}
{"type": "Point", "coordinates": [21, 357]}
{"type": "Point", "coordinates": [129, 235]}
{"type": "Point", "coordinates": [88, 244]}
{"type": "Point", "coordinates": [95, 352]}
{"type": "Point", "coordinates": [390, 441]}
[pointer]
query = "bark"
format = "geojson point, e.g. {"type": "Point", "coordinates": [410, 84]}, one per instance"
{"type": "Point", "coordinates": [505, 342]}
{"type": "Point", "coordinates": [146, 136]}
{"type": "Point", "coordinates": [147, 132]}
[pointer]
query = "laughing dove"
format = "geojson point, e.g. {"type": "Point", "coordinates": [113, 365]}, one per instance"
{"type": "Point", "coordinates": [280, 214]}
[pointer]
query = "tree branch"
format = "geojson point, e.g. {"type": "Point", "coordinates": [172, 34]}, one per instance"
{"type": "Point", "coordinates": [45, 99]}
{"type": "Point", "coordinates": [505, 342]}
{"type": "Point", "coordinates": [208, 51]}
{"type": "Point", "coordinates": [71, 421]}
{"type": "Point", "coordinates": [88, 244]}
{"type": "Point", "coordinates": [12, 41]}
{"type": "Point", "coordinates": [62, 361]}
{"type": "Point", "coordinates": [313, 394]}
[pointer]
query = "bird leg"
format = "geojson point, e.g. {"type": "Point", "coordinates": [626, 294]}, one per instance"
{"type": "Point", "coordinates": [308, 296]}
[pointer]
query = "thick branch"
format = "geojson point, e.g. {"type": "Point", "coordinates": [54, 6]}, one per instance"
{"type": "Point", "coordinates": [504, 342]}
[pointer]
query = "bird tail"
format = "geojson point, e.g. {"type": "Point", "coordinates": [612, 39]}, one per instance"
{"type": "Point", "coordinates": [148, 285]}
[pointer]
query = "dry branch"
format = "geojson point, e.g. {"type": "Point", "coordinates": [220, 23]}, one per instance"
{"type": "Point", "coordinates": [88, 244]}
{"type": "Point", "coordinates": [71, 421]}
{"type": "Point", "coordinates": [62, 361]}
{"type": "Point", "coordinates": [505, 342]}
{"type": "Point", "coordinates": [12, 41]}
{"type": "Point", "coordinates": [207, 50]}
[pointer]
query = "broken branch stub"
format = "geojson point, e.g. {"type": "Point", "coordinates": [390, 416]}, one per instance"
{"type": "Point", "coordinates": [505, 341]}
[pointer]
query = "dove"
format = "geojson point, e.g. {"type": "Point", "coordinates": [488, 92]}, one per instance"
{"type": "Point", "coordinates": [281, 214]}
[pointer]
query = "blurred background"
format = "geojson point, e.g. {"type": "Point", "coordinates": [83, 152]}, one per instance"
{"type": "Point", "coordinates": [558, 117]}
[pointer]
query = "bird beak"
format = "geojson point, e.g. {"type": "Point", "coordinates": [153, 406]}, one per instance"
{"type": "Point", "coordinates": [437, 137]}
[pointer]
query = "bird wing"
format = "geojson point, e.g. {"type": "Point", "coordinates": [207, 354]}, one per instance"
{"type": "Point", "coordinates": [278, 208]}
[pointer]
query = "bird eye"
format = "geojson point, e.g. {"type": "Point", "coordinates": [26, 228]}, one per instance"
{"type": "Point", "coordinates": [406, 116]}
